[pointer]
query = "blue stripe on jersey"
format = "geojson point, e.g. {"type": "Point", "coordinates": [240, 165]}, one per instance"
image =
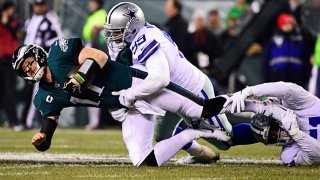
{"type": "Point", "coordinates": [179, 130]}
{"type": "Point", "coordinates": [148, 51]}
{"type": "Point", "coordinates": [314, 122]}
{"type": "Point", "coordinates": [216, 117]}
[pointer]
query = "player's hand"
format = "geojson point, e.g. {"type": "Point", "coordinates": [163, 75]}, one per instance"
{"type": "Point", "coordinates": [126, 97]}
{"type": "Point", "coordinates": [38, 138]}
{"type": "Point", "coordinates": [119, 114]}
{"type": "Point", "coordinates": [72, 87]}
{"type": "Point", "coordinates": [290, 124]}
{"type": "Point", "coordinates": [238, 100]}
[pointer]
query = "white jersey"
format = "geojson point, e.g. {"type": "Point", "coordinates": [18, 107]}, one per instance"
{"type": "Point", "coordinates": [150, 39]}
{"type": "Point", "coordinates": [306, 150]}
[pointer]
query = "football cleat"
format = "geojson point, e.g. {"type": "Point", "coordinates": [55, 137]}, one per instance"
{"type": "Point", "coordinates": [203, 155]}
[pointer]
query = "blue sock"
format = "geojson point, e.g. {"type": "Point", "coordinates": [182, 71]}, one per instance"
{"type": "Point", "coordinates": [242, 134]}
{"type": "Point", "coordinates": [179, 130]}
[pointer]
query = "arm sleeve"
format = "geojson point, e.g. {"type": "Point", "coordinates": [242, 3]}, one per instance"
{"type": "Point", "coordinates": [293, 95]}
{"type": "Point", "coordinates": [158, 76]}
{"type": "Point", "coordinates": [48, 127]}
{"type": "Point", "coordinates": [310, 149]}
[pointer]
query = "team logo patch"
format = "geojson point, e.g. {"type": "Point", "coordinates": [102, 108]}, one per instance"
{"type": "Point", "coordinates": [49, 99]}
{"type": "Point", "coordinates": [131, 14]}
{"type": "Point", "coordinates": [63, 43]}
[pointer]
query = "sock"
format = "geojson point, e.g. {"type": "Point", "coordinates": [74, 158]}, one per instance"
{"type": "Point", "coordinates": [166, 149]}
{"type": "Point", "coordinates": [242, 134]}
{"type": "Point", "coordinates": [179, 130]}
{"type": "Point", "coordinates": [194, 148]}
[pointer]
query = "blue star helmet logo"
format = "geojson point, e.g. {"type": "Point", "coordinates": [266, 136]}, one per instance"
{"type": "Point", "coordinates": [131, 14]}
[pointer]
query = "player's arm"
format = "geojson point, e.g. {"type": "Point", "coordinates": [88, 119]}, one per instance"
{"type": "Point", "coordinates": [91, 61]}
{"type": "Point", "coordinates": [158, 76]}
{"type": "Point", "coordinates": [295, 96]}
{"type": "Point", "coordinates": [310, 146]}
{"type": "Point", "coordinates": [42, 140]}
{"type": "Point", "coordinates": [96, 55]}
{"type": "Point", "coordinates": [157, 79]}
{"type": "Point", "coordinates": [292, 94]}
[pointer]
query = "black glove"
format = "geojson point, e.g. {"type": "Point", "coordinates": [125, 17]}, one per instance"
{"type": "Point", "coordinates": [73, 88]}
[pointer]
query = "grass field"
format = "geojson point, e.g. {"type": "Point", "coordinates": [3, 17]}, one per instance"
{"type": "Point", "coordinates": [80, 154]}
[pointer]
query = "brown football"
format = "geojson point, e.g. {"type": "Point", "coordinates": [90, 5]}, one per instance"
{"type": "Point", "coordinates": [74, 71]}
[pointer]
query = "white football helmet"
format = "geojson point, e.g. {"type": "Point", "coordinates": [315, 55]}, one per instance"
{"type": "Point", "coordinates": [123, 22]}
{"type": "Point", "coordinates": [23, 53]}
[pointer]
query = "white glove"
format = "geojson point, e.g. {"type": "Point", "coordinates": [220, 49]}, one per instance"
{"type": "Point", "coordinates": [126, 97]}
{"type": "Point", "coordinates": [119, 114]}
{"type": "Point", "coordinates": [290, 124]}
{"type": "Point", "coordinates": [238, 98]}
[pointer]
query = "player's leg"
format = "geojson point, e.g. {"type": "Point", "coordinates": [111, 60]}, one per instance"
{"type": "Point", "coordinates": [241, 133]}
{"type": "Point", "coordinates": [171, 124]}
{"type": "Point", "coordinates": [137, 132]}
{"type": "Point", "coordinates": [221, 121]}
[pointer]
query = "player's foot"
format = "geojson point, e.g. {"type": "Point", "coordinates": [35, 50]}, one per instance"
{"type": "Point", "coordinates": [203, 155]}
{"type": "Point", "coordinates": [18, 128]}
{"type": "Point", "coordinates": [90, 127]}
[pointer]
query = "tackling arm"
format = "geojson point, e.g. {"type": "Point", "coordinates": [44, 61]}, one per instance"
{"type": "Point", "coordinates": [158, 76]}
{"type": "Point", "coordinates": [293, 95]}
{"type": "Point", "coordinates": [157, 79]}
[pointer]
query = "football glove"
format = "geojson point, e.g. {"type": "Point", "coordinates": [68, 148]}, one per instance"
{"type": "Point", "coordinates": [126, 97]}
{"type": "Point", "coordinates": [119, 114]}
{"type": "Point", "coordinates": [238, 99]}
{"type": "Point", "coordinates": [75, 85]}
{"type": "Point", "coordinates": [290, 124]}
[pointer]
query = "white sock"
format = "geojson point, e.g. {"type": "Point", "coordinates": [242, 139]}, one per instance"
{"type": "Point", "coordinates": [194, 148]}
{"type": "Point", "coordinates": [166, 149]}
{"type": "Point", "coordinates": [94, 116]}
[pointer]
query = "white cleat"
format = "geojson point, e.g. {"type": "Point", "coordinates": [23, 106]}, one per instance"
{"type": "Point", "coordinates": [203, 155]}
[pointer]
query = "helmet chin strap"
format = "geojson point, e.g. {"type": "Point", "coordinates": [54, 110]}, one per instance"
{"type": "Point", "coordinates": [39, 74]}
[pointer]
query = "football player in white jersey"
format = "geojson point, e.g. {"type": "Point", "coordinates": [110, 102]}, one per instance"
{"type": "Point", "coordinates": [154, 49]}
{"type": "Point", "coordinates": [296, 109]}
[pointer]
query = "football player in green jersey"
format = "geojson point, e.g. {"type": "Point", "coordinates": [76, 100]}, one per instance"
{"type": "Point", "coordinates": [93, 84]}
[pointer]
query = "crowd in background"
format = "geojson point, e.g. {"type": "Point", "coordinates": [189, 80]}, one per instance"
{"type": "Point", "coordinates": [287, 52]}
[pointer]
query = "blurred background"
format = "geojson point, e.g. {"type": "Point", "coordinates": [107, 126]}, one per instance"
{"type": "Point", "coordinates": [237, 43]}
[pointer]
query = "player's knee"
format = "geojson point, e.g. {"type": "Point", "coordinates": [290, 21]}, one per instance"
{"type": "Point", "coordinates": [285, 159]}
{"type": "Point", "coordinates": [134, 150]}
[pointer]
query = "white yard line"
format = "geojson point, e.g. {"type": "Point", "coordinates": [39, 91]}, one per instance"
{"type": "Point", "coordinates": [106, 159]}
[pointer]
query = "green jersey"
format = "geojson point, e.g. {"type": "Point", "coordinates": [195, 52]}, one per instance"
{"type": "Point", "coordinates": [63, 57]}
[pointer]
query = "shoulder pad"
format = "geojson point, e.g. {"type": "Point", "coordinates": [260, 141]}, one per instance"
{"type": "Point", "coordinates": [143, 47]}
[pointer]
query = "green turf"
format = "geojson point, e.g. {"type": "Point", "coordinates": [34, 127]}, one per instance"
{"type": "Point", "coordinates": [110, 142]}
